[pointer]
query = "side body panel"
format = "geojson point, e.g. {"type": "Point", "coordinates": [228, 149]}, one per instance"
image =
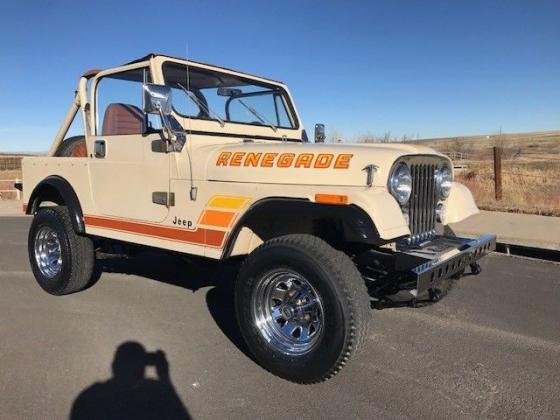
{"type": "Point", "coordinates": [73, 170]}
{"type": "Point", "coordinates": [124, 180]}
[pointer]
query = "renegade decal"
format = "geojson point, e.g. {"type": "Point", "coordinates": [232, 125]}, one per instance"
{"type": "Point", "coordinates": [285, 160]}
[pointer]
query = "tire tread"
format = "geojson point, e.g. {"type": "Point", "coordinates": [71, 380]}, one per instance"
{"type": "Point", "coordinates": [349, 281]}
{"type": "Point", "coordinates": [80, 248]}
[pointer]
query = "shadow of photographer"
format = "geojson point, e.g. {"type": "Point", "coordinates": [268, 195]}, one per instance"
{"type": "Point", "coordinates": [129, 393]}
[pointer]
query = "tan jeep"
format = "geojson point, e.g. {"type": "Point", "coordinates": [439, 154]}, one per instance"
{"type": "Point", "coordinates": [212, 162]}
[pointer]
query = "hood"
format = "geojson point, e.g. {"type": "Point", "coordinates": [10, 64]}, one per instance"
{"type": "Point", "coordinates": [307, 163]}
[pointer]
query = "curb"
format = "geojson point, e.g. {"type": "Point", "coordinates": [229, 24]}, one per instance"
{"type": "Point", "coordinates": [528, 252]}
{"type": "Point", "coordinates": [514, 242]}
{"type": "Point", "coordinates": [530, 249]}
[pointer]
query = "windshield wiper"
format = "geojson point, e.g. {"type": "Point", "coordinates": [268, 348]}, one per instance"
{"type": "Point", "coordinates": [201, 105]}
{"type": "Point", "coordinates": [259, 116]}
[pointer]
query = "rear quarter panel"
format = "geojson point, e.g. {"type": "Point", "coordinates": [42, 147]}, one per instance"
{"type": "Point", "coordinates": [74, 170]}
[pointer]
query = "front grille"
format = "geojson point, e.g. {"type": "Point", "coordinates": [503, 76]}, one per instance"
{"type": "Point", "coordinates": [423, 202]}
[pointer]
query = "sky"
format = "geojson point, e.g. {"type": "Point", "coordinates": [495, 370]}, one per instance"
{"type": "Point", "coordinates": [416, 68]}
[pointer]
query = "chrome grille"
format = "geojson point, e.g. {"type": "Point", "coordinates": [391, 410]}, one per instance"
{"type": "Point", "coordinates": [423, 202]}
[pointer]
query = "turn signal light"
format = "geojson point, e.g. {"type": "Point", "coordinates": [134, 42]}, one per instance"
{"type": "Point", "coordinates": [331, 199]}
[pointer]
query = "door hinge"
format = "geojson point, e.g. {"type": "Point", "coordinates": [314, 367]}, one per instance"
{"type": "Point", "coordinates": [194, 191]}
{"type": "Point", "coordinates": [163, 198]}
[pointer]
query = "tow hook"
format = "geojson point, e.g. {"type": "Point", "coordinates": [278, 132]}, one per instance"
{"type": "Point", "coordinates": [434, 294]}
{"type": "Point", "coordinates": [476, 268]}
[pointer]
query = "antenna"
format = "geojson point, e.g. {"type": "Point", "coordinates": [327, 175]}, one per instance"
{"type": "Point", "coordinates": [194, 189]}
{"type": "Point", "coordinates": [188, 77]}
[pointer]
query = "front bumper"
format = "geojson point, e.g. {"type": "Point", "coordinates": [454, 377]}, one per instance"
{"type": "Point", "coordinates": [426, 265]}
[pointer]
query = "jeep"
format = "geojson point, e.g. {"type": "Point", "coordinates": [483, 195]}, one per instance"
{"type": "Point", "coordinates": [207, 161]}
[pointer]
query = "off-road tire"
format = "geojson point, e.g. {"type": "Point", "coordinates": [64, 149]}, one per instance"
{"type": "Point", "coordinates": [342, 292]}
{"type": "Point", "coordinates": [77, 253]}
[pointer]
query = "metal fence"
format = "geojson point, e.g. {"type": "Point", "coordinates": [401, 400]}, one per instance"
{"type": "Point", "coordinates": [458, 156]}
{"type": "Point", "coordinates": [10, 163]}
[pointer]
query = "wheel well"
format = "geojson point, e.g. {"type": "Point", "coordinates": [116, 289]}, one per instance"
{"type": "Point", "coordinates": [47, 194]}
{"type": "Point", "coordinates": [343, 227]}
{"type": "Point", "coordinates": [57, 190]}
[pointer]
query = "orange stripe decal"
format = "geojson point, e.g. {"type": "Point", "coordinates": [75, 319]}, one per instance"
{"type": "Point", "coordinates": [217, 218]}
{"type": "Point", "coordinates": [199, 236]}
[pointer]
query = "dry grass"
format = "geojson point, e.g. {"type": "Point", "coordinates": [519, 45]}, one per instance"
{"type": "Point", "coordinates": [526, 188]}
{"type": "Point", "coordinates": [530, 176]}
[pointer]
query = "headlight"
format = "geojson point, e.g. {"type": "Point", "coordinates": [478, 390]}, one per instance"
{"type": "Point", "coordinates": [400, 183]}
{"type": "Point", "coordinates": [444, 178]}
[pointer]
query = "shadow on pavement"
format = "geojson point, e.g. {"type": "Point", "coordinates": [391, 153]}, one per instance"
{"type": "Point", "coordinates": [129, 393]}
{"type": "Point", "coordinates": [190, 273]}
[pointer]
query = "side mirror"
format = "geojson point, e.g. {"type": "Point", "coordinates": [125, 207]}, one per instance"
{"type": "Point", "coordinates": [157, 99]}
{"type": "Point", "coordinates": [320, 133]}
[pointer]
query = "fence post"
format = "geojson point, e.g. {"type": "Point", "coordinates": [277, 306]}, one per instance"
{"type": "Point", "coordinates": [498, 172]}
{"type": "Point", "coordinates": [18, 192]}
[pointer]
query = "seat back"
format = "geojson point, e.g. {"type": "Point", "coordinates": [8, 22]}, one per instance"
{"type": "Point", "coordinates": [122, 119]}
{"type": "Point", "coordinates": [79, 149]}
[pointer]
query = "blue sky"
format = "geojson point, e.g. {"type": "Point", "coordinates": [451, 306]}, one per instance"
{"type": "Point", "coordinates": [432, 68]}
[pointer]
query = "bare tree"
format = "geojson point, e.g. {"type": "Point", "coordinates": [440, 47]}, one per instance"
{"type": "Point", "coordinates": [335, 136]}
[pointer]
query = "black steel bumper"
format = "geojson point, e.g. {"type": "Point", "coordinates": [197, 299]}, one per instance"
{"type": "Point", "coordinates": [443, 257]}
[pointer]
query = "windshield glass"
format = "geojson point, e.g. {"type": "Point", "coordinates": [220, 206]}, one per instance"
{"type": "Point", "coordinates": [211, 95]}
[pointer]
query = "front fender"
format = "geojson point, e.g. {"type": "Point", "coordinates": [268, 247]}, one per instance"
{"type": "Point", "coordinates": [384, 211]}
{"type": "Point", "coordinates": [459, 205]}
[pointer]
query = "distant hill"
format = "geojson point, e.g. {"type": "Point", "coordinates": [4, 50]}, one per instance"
{"type": "Point", "coordinates": [22, 153]}
{"type": "Point", "coordinates": [541, 145]}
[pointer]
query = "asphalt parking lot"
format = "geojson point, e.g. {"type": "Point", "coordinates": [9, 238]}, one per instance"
{"type": "Point", "coordinates": [491, 348]}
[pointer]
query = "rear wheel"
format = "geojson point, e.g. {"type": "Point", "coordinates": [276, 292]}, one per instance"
{"type": "Point", "coordinates": [302, 307]}
{"type": "Point", "coordinates": [61, 260]}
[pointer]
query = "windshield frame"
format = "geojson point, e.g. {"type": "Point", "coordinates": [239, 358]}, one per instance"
{"type": "Point", "coordinates": [275, 88]}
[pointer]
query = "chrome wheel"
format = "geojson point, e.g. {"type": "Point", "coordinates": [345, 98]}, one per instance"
{"type": "Point", "coordinates": [47, 252]}
{"type": "Point", "coordinates": [287, 311]}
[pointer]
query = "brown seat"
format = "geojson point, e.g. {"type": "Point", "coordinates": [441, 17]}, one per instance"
{"type": "Point", "coordinates": [79, 149]}
{"type": "Point", "coordinates": [122, 119]}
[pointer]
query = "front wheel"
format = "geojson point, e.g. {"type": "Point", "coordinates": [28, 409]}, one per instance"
{"type": "Point", "coordinates": [62, 261]}
{"type": "Point", "coordinates": [302, 307]}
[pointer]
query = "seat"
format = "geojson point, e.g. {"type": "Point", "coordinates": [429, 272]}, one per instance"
{"type": "Point", "coordinates": [79, 149]}
{"type": "Point", "coordinates": [122, 119]}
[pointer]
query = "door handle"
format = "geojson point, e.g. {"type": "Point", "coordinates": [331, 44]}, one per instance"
{"type": "Point", "coordinates": [99, 148]}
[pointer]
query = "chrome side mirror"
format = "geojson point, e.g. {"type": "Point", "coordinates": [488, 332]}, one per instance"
{"type": "Point", "coordinates": [320, 133]}
{"type": "Point", "coordinates": [157, 99]}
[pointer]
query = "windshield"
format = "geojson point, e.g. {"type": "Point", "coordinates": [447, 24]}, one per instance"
{"type": "Point", "coordinates": [211, 95]}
